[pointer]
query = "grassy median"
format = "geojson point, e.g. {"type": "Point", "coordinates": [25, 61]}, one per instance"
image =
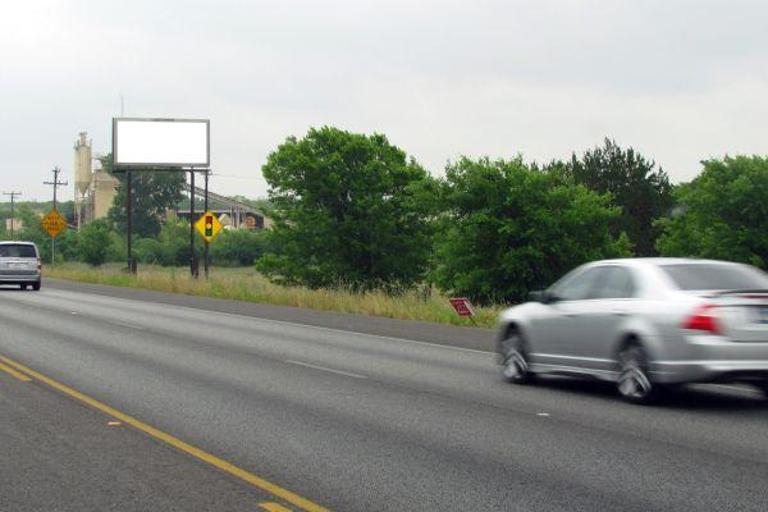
{"type": "Point", "coordinates": [248, 285]}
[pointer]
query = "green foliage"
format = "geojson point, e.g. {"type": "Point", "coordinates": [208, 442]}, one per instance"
{"type": "Point", "coordinates": [509, 228]}
{"type": "Point", "coordinates": [642, 192]}
{"type": "Point", "coordinates": [349, 209]}
{"type": "Point", "coordinates": [174, 243]}
{"type": "Point", "coordinates": [722, 214]}
{"type": "Point", "coordinates": [93, 242]}
{"type": "Point", "coordinates": [238, 247]}
{"type": "Point", "coordinates": [148, 250]}
{"type": "Point", "coordinates": [153, 193]}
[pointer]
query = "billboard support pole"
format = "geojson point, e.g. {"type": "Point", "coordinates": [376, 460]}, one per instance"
{"type": "Point", "coordinates": [206, 261]}
{"type": "Point", "coordinates": [192, 259]}
{"type": "Point", "coordinates": [129, 220]}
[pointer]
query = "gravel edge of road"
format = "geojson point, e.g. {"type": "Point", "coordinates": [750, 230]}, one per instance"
{"type": "Point", "coordinates": [475, 338]}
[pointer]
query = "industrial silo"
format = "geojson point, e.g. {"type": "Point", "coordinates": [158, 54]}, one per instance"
{"type": "Point", "coordinates": [83, 171]}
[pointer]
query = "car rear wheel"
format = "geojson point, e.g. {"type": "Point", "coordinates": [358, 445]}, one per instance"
{"type": "Point", "coordinates": [514, 359]}
{"type": "Point", "coordinates": [36, 286]}
{"type": "Point", "coordinates": [634, 384]}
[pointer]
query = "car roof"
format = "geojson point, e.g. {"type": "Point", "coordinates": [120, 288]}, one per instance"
{"type": "Point", "coordinates": [658, 261]}
{"type": "Point", "coordinates": [16, 242]}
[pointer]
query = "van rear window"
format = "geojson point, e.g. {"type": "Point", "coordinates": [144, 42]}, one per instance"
{"type": "Point", "coordinates": [17, 251]}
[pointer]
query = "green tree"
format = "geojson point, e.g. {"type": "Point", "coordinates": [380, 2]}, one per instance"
{"type": "Point", "coordinates": [509, 228]}
{"type": "Point", "coordinates": [93, 242]}
{"type": "Point", "coordinates": [148, 250]}
{"type": "Point", "coordinates": [153, 193]}
{"type": "Point", "coordinates": [721, 214]}
{"type": "Point", "coordinates": [238, 247]}
{"type": "Point", "coordinates": [642, 191]}
{"type": "Point", "coordinates": [174, 243]}
{"type": "Point", "coordinates": [349, 209]}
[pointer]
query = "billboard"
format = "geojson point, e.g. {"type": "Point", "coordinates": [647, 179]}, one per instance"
{"type": "Point", "coordinates": [148, 143]}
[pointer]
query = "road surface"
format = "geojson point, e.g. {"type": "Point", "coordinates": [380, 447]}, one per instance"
{"type": "Point", "coordinates": [346, 413]}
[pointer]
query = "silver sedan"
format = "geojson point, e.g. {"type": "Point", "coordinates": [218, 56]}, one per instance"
{"type": "Point", "coordinates": [644, 324]}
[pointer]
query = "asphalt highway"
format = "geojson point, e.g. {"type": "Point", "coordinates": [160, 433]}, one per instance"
{"type": "Point", "coordinates": [340, 412]}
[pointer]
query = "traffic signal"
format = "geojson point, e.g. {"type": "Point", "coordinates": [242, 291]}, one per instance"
{"type": "Point", "coordinates": [209, 225]}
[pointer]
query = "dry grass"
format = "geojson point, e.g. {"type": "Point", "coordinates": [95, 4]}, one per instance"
{"type": "Point", "coordinates": [247, 285]}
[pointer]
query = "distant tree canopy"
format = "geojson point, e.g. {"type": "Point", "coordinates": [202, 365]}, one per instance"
{"type": "Point", "coordinates": [509, 228]}
{"type": "Point", "coordinates": [643, 192]}
{"type": "Point", "coordinates": [153, 193]}
{"type": "Point", "coordinates": [349, 210]}
{"type": "Point", "coordinates": [722, 214]}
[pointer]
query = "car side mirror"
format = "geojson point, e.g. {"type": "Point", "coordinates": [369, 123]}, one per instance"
{"type": "Point", "coordinates": [543, 296]}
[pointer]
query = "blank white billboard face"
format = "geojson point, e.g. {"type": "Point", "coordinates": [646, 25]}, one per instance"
{"type": "Point", "coordinates": [160, 142]}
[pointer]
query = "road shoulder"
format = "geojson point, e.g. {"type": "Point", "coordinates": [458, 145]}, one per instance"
{"type": "Point", "coordinates": [464, 337]}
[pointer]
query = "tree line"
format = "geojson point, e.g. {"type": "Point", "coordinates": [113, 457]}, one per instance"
{"type": "Point", "coordinates": [353, 210]}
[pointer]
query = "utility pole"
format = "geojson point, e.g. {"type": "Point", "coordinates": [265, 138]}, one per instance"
{"type": "Point", "coordinates": [13, 197]}
{"type": "Point", "coordinates": [55, 184]}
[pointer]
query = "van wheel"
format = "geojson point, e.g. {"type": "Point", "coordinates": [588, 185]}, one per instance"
{"type": "Point", "coordinates": [514, 359]}
{"type": "Point", "coordinates": [36, 286]}
{"type": "Point", "coordinates": [22, 287]}
{"type": "Point", "coordinates": [634, 384]}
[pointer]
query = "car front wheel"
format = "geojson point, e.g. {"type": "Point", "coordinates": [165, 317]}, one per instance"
{"type": "Point", "coordinates": [514, 359]}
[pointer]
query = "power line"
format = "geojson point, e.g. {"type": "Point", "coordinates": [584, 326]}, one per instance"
{"type": "Point", "coordinates": [55, 183]}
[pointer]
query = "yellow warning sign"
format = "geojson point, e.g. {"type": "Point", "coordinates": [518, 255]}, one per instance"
{"type": "Point", "coordinates": [54, 223]}
{"type": "Point", "coordinates": [208, 226]}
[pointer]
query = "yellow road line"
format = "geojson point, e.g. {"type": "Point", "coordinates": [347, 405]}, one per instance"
{"type": "Point", "coordinates": [256, 481]}
{"type": "Point", "coordinates": [13, 373]}
{"type": "Point", "coordinates": [273, 507]}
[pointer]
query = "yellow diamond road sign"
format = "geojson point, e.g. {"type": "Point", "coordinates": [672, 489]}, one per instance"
{"type": "Point", "coordinates": [54, 223]}
{"type": "Point", "coordinates": [208, 226]}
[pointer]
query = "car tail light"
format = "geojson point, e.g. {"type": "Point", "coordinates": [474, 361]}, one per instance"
{"type": "Point", "coordinates": [39, 264]}
{"type": "Point", "coordinates": [703, 319]}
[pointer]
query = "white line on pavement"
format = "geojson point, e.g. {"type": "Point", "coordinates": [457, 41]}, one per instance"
{"type": "Point", "coordinates": [323, 368]}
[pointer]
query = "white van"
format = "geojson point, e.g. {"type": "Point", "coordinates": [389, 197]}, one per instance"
{"type": "Point", "coordinates": [20, 264]}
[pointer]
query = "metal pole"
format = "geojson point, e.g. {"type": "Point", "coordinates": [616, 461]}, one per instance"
{"type": "Point", "coordinates": [129, 213]}
{"type": "Point", "coordinates": [206, 263]}
{"type": "Point", "coordinates": [192, 260]}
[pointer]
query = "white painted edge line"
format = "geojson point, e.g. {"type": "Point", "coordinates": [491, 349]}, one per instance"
{"type": "Point", "coordinates": [293, 324]}
{"type": "Point", "coordinates": [325, 369]}
{"type": "Point", "coordinates": [121, 323]}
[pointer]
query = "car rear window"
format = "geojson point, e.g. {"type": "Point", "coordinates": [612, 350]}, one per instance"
{"type": "Point", "coordinates": [713, 276]}
{"type": "Point", "coordinates": [17, 251]}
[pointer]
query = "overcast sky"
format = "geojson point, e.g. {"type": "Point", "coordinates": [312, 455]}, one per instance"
{"type": "Point", "coordinates": [679, 80]}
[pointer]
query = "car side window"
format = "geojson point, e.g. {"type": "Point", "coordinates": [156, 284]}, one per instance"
{"type": "Point", "coordinates": [617, 283]}
{"type": "Point", "coordinates": [580, 287]}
